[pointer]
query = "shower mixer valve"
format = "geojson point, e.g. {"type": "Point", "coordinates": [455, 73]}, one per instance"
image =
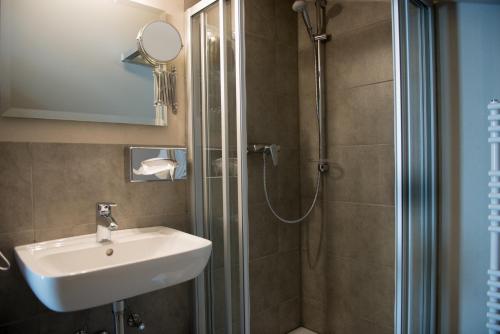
{"type": "Point", "coordinates": [271, 149]}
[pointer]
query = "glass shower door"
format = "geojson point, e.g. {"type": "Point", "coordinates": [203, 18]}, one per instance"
{"type": "Point", "coordinates": [217, 209]}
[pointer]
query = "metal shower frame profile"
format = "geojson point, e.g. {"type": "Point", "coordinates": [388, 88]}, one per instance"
{"type": "Point", "coordinates": [415, 307]}
{"type": "Point", "coordinates": [196, 172]}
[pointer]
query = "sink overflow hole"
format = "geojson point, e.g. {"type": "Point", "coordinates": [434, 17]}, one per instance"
{"type": "Point", "coordinates": [109, 252]}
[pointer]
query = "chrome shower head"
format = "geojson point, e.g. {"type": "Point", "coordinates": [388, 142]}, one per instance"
{"type": "Point", "coordinates": [300, 6]}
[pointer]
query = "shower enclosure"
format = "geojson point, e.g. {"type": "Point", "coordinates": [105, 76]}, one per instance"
{"type": "Point", "coordinates": [217, 137]}
{"type": "Point", "coordinates": [317, 105]}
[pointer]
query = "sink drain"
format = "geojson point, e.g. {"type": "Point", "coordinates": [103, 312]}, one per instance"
{"type": "Point", "coordinates": [109, 252]}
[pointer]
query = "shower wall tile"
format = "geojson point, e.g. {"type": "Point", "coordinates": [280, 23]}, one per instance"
{"type": "Point", "coordinates": [260, 18]}
{"type": "Point", "coordinates": [347, 16]}
{"type": "Point", "coordinates": [289, 235]}
{"type": "Point", "coordinates": [273, 117]}
{"type": "Point", "coordinates": [288, 175]}
{"type": "Point", "coordinates": [261, 56]}
{"type": "Point", "coordinates": [266, 322]}
{"type": "Point", "coordinates": [312, 236]}
{"type": "Point", "coordinates": [255, 181]}
{"type": "Point", "coordinates": [362, 115]}
{"type": "Point", "coordinates": [264, 283]}
{"type": "Point", "coordinates": [350, 290]}
{"type": "Point", "coordinates": [308, 174]}
{"type": "Point", "coordinates": [16, 202]}
{"type": "Point", "coordinates": [314, 316]}
{"type": "Point", "coordinates": [359, 289]}
{"type": "Point", "coordinates": [286, 120]}
{"type": "Point", "coordinates": [49, 191]}
{"type": "Point", "coordinates": [286, 24]}
{"type": "Point", "coordinates": [360, 326]}
{"type": "Point", "coordinates": [361, 232]}
{"type": "Point", "coordinates": [361, 58]}
{"type": "Point", "coordinates": [289, 273]}
{"type": "Point", "coordinates": [314, 256]}
{"type": "Point", "coordinates": [286, 70]}
{"type": "Point", "coordinates": [361, 174]}
{"type": "Point", "coordinates": [314, 280]}
{"type": "Point", "coordinates": [289, 315]}
{"type": "Point", "coordinates": [261, 116]}
{"type": "Point", "coordinates": [306, 72]}
{"type": "Point", "coordinates": [264, 236]}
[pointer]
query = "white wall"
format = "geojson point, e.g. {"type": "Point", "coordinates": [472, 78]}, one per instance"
{"type": "Point", "coordinates": [469, 76]}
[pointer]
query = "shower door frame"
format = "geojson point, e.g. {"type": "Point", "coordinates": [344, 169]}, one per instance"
{"type": "Point", "coordinates": [196, 170]}
{"type": "Point", "coordinates": [416, 252]}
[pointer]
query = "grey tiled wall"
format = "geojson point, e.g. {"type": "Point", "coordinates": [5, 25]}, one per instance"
{"type": "Point", "coordinates": [272, 117]}
{"type": "Point", "coordinates": [351, 288]}
{"type": "Point", "coordinates": [49, 191]}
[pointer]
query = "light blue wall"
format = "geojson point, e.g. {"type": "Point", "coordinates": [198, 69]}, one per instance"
{"type": "Point", "coordinates": [468, 42]}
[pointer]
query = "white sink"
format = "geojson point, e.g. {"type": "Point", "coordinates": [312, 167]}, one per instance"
{"type": "Point", "coordinates": [78, 273]}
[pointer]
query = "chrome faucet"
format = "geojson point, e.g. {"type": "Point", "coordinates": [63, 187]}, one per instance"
{"type": "Point", "coordinates": [105, 222]}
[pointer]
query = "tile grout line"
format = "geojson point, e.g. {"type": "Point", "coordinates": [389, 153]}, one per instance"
{"type": "Point", "coordinates": [32, 192]}
{"type": "Point", "coordinates": [360, 261]}
{"type": "Point", "coordinates": [362, 28]}
{"type": "Point", "coordinates": [278, 252]}
{"type": "Point", "coordinates": [388, 206]}
{"type": "Point", "coordinates": [333, 146]}
{"type": "Point", "coordinates": [369, 84]}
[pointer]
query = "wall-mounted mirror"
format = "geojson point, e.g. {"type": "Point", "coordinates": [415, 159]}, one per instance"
{"type": "Point", "coordinates": [67, 60]}
{"type": "Point", "coordinates": [159, 42]}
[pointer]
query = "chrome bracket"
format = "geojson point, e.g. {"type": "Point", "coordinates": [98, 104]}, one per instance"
{"type": "Point", "coordinates": [323, 166]}
{"type": "Point", "coordinates": [322, 37]}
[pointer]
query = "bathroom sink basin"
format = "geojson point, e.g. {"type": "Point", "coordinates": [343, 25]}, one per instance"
{"type": "Point", "coordinates": [78, 273]}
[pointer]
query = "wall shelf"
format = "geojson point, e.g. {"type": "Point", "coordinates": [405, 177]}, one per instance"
{"type": "Point", "coordinates": [134, 57]}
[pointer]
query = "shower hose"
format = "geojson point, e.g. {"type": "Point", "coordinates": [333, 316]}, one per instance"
{"type": "Point", "coordinates": [318, 173]}
{"type": "Point", "coordinates": [311, 261]}
{"type": "Point", "coordinates": [311, 207]}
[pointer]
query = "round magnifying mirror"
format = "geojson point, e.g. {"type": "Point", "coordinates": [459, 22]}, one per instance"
{"type": "Point", "coordinates": [159, 42]}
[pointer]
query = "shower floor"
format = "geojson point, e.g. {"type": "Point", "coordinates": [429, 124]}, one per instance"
{"type": "Point", "coordinates": [302, 330]}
